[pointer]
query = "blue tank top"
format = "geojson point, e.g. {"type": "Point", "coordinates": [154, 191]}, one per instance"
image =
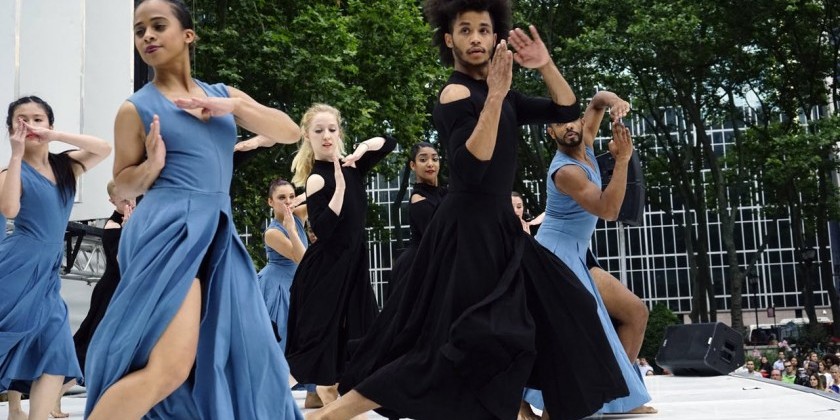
{"type": "Point", "coordinates": [564, 214]}
{"type": "Point", "coordinates": [274, 257]}
{"type": "Point", "coordinates": [190, 142]}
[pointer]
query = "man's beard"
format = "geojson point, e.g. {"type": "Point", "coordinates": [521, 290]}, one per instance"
{"type": "Point", "coordinates": [570, 144]}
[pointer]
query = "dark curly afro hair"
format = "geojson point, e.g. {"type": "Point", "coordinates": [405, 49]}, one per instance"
{"type": "Point", "coordinates": [441, 15]}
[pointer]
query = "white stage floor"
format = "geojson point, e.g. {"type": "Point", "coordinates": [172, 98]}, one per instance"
{"type": "Point", "coordinates": [683, 398]}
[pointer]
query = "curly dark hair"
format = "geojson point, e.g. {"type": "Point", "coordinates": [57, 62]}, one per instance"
{"type": "Point", "coordinates": [441, 15]}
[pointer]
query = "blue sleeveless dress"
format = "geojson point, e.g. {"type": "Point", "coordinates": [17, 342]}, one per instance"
{"type": "Point", "coordinates": [183, 229]}
{"type": "Point", "coordinates": [566, 231]}
{"type": "Point", "coordinates": [276, 280]}
{"type": "Point", "coordinates": [35, 336]}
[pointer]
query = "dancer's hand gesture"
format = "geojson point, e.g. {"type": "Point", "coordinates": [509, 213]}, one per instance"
{"type": "Point", "coordinates": [339, 176]}
{"type": "Point", "coordinates": [246, 145]}
{"type": "Point", "coordinates": [39, 134]}
{"type": "Point", "coordinates": [289, 220]}
{"type": "Point", "coordinates": [210, 107]}
{"type": "Point", "coordinates": [501, 70]}
{"type": "Point", "coordinates": [155, 148]}
{"type": "Point", "coordinates": [127, 210]}
{"type": "Point", "coordinates": [531, 52]}
{"type": "Point", "coordinates": [621, 146]}
{"type": "Point", "coordinates": [17, 140]}
{"type": "Point", "coordinates": [618, 110]}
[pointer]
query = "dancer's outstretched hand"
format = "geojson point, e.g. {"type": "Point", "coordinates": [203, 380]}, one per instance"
{"type": "Point", "coordinates": [501, 70]}
{"type": "Point", "coordinates": [531, 51]}
{"type": "Point", "coordinates": [210, 107]}
{"type": "Point", "coordinates": [246, 145]}
{"type": "Point", "coordinates": [155, 148]}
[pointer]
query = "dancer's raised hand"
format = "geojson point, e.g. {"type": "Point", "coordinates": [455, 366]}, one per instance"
{"type": "Point", "coordinates": [339, 176]}
{"type": "Point", "coordinates": [501, 70]}
{"type": "Point", "coordinates": [621, 146]}
{"type": "Point", "coordinates": [619, 109]}
{"type": "Point", "coordinates": [155, 148]}
{"type": "Point", "coordinates": [531, 51]}
{"type": "Point", "coordinates": [37, 134]}
{"type": "Point", "coordinates": [17, 140]}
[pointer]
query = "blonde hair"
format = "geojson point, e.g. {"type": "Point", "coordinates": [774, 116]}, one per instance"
{"type": "Point", "coordinates": [305, 158]}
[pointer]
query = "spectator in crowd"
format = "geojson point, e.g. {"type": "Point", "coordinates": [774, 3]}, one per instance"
{"type": "Point", "coordinates": [835, 374]}
{"type": "Point", "coordinates": [789, 375]}
{"type": "Point", "coordinates": [776, 375]}
{"type": "Point", "coordinates": [823, 370]}
{"type": "Point", "coordinates": [748, 369]}
{"type": "Point", "coordinates": [643, 366]}
{"type": "Point", "coordinates": [764, 366]}
{"type": "Point", "coordinates": [816, 381]}
{"type": "Point", "coordinates": [779, 364]}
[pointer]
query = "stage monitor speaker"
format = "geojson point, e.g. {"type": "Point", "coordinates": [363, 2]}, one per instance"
{"type": "Point", "coordinates": [632, 210]}
{"type": "Point", "coordinates": [701, 349]}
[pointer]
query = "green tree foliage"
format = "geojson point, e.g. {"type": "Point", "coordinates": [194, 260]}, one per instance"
{"type": "Point", "coordinates": [371, 60]}
{"type": "Point", "coordinates": [794, 165]}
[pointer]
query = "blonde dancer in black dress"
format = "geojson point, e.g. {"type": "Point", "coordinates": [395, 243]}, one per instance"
{"type": "Point", "coordinates": [332, 301]}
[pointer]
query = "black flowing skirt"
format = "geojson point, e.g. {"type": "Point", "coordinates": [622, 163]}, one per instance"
{"type": "Point", "coordinates": [483, 311]}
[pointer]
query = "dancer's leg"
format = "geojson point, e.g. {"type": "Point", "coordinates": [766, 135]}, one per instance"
{"type": "Point", "coordinates": [312, 399]}
{"type": "Point", "coordinates": [169, 366]}
{"type": "Point", "coordinates": [56, 412]}
{"type": "Point", "coordinates": [15, 408]}
{"type": "Point", "coordinates": [327, 394]}
{"type": "Point", "coordinates": [626, 308]}
{"type": "Point", "coordinates": [631, 315]}
{"type": "Point", "coordinates": [42, 396]}
{"type": "Point", "coordinates": [348, 406]}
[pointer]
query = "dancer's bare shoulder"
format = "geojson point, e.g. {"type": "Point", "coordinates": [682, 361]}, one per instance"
{"type": "Point", "coordinates": [454, 92]}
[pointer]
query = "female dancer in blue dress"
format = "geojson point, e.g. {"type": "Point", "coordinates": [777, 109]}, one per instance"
{"type": "Point", "coordinates": [285, 243]}
{"type": "Point", "coordinates": [37, 190]}
{"type": "Point", "coordinates": [332, 301]}
{"type": "Point", "coordinates": [575, 201]}
{"type": "Point", "coordinates": [186, 334]}
{"type": "Point", "coordinates": [425, 198]}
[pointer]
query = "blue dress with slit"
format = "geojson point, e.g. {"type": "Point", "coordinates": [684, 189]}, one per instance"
{"type": "Point", "coordinates": [35, 336]}
{"type": "Point", "coordinates": [182, 230]}
{"type": "Point", "coordinates": [566, 231]}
